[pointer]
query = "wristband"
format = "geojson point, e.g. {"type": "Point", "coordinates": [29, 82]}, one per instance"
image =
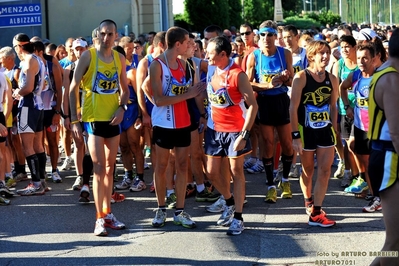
{"type": "Point", "coordinates": [296, 135]}
{"type": "Point", "coordinates": [245, 134]}
{"type": "Point", "coordinates": [75, 122]}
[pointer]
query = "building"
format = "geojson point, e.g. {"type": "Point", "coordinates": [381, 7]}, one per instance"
{"type": "Point", "coordinates": [60, 19]}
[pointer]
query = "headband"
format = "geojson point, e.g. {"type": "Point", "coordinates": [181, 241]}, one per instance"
{"type": "Point", "coordinates": [271, 30]}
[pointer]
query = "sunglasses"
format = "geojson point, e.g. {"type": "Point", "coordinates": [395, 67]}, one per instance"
{"type": "Point", "coordinates": [268, 35]}
{"type": "Point", "coordinates": [136, 47]}
{"type": "Point", "coordinates": [245, 33]}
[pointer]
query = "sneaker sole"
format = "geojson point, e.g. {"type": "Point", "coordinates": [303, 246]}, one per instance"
{"type": "Point", "coordinates": [214, 211]}
{"type": "Point", "coordinates": [234, 233]}
{"type": "Point", "coordinates": [101, 234]}
{"type": "Point", "coordinates": [57, 181]}
{"type": "Point", "coordinates": [321, 225]}
{"type": "Point", "coordinates": [190, 226]}
{"type": "Point", "coordinates": [83, 200]}
{"type": "Point", "coordinates": [270, 201]}
{"type": "Point", "coordinates": [158, 225]}
{"type": "Point", "coordinates": [136, 190]}
{"type": "Point", "coordinates": [284, 196]}
{"type": "Point", "coordinates": [206, 199]}
{"type": "Point", "coordinates": [114, 227]}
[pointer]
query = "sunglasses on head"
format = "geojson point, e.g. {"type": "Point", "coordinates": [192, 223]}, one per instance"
{"type": "Point", "coordinates": [263, 34]}
{"type": "Point", "coordinates": [245, 33]}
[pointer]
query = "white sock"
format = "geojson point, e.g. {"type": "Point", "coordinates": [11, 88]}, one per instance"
{"type": "Point", "coordinates": [169, 191]}
{"type": "Point", "coordinates": [200, 188]}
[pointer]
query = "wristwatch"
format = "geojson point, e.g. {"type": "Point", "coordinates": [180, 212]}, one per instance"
{"type": "Point", "coordinates": [245, 134]}
{"type": "Point", "coordinates": [124, 106]}
{"type": "Point", "coordinates": [204, 115]}
{"type": "Point", "coordinates": [57, 112]}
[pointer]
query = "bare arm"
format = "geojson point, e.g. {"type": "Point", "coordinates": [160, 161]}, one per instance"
{"type": "Point", "coordinates": [333, 102]}
{"type": "Point", "coordinates": [31, 67]}
{"type": "Point", "coordinates": [343, 90]}
{"type": "Point", "coordinates": [57, 73]}
{"type": "Point", "coordinates": [141, 74]}
{"type": "Point", "coordinates": [386, 97]}
{"type": "Point", "coordinates": [251, 75]}
{"type": "Point", "coordinates": [298, 84]}
{"type": "Point", "coordinates": [80, 70]}
{"type": "Point", "coordinates": [8, 101]}
{"type": "Point", "coordinates": [65, 98]}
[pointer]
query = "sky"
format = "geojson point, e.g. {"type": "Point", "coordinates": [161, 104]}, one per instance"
{"type": "Point", "coordinates": [178, 6]}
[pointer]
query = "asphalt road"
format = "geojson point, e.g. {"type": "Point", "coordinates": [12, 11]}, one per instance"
{"type": "Point", "coordinates": [55, 229]}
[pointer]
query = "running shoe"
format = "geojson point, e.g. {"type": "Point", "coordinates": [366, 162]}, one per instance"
{"type": "Point", "coordinates": [309, 209]}
{"type": "Point", "coordinates": [4, 201]}
{"type": "Point", "coordinates": [5, 191]}
{"type": "Point", "coordinates": [78, 183]}
{"type": "Point", "coordinates": [271, 196]}
{"type": "Point", "coordinates": [84, 194]}
{"type": "Point", "coordinates": [171, 201]}
{"type": "Point", "coordinates": [138, 185]}
{"type": "Point", "coordinates": [67, 165]}
{"type": "Point", "coordinates": [217, 206]}
{"type": "Point", "coordinates": [111, 222]}
{"type": "Point", "coordinates": [358, 187]}
{"type": "Point", "coordinates": [11, 182]}
{"type": "Point", "coordinates": [249, 163]}
{"type": "Point", "coordinates": [31, 190]}
{"type": "Point", "coordinates": [55, 176]}
{"type": "Point", "coordinates": [369, 197]}
{"type": "Point", "coordinates": [99, 229]}
{"type": "Point", "coordinates": [124, 184]}
{"type": "Point", "coordinates": [236, 227]}
{"type": "Point", "coordinates": [116, 197]}
{"type": "Point", "coordinates": [160, 218]}
{"type": "Point", "coordinates": [285, 190]}
{"type": "Point", "coordinates": [184, 219]}
{"type": "Point", "coordinates": [294, 171]}
{"type": "Point", "coordinates": [190, 190]}
{"type": "Point", "coordinates": [45, 186]}
{"type": "Point", "coordinates": [206, 195]}
{"type": "Point", "coordinates": [374, 205]}
{"type": "Point", "coordinates": [339, 173]}
{"type": "Point", "coordinates": [320, 220]}
{"type": "Point", "coordinates": [21, 177]}
{"type": "Point", "coordinates": [257, 168]}
{"type": "Point", "coordinates": [227, 216]}
{"type": "Point", "coordinates": [152, 187]}
{"type": "Point", "coordinates": [346, 180]}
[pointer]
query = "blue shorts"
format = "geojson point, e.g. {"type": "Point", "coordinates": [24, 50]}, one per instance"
{"type": "Point", "coordinates": [221, 144]}
{"type": "Point", "coordinates": [130, 116]}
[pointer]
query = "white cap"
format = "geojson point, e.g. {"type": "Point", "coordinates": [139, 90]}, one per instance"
{"type": "Point", "coordinates": [366, 34]}
{"type": "Point", "coordinates": [78, 42]}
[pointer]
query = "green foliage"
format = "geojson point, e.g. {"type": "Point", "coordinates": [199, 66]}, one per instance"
{"type": "Point", "coordinates": [301, 23]}
{"type": "Point", "coordinates": [257, 11]}
{"type": "Point", "coordinates": [328, 17]}
{"type": "Point", "coordinates": [235, 12]}
{"type": "Point", "coordinates": [201, 14]}
{"type": "Point", "coordinates": [181, 20]}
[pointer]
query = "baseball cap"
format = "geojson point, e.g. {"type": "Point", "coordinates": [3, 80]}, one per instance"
{"type": "Point", "coordinates": [366, 34]}
{"type": "Point", "coordinates": [78, 42]}
{"type": "Point", "coordinates": [318, 37]}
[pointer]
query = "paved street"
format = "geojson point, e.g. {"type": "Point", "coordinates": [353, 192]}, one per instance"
{"type": "Point", "coordinates": [55, 230]}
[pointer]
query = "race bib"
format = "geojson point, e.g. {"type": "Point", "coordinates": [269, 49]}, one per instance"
{"type": "Point", "coordinates": [317, 117]}
{"type": "Point", "coordinates": [363, 102]}
{"type": "Point", "coordinates": [105, 85]}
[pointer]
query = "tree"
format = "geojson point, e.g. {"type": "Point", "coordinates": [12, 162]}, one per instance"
{"type": "Point", "coordinates": [203, 13]}
{"type": "Point", "coordinates": [254, 12]}
{"type": "Point", "coordinates": [235, 12]}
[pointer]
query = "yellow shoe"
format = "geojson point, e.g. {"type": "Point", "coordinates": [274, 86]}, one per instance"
{"type": "Point", "coordinates": [285, 190]}
{"type": "Point", "coordinates": [271, 196]}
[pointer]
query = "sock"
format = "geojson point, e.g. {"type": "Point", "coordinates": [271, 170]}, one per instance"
{"type": "Point", "coordinates": [106, 211]}
{"type": "Point", "coordinates": [129, 174]}
{"type": "Point", "coordinates": [230, 201]}
{"type": "Point", "coordinates": [238, 216]}
{"type": "Point", "coordinates": [355, 176]}
{"type": "Point", "coordinates": [162, 208]}
{"type": "Point", "coordinates": [178, 211]}
{"type": "Point", "coordinates": [316, 210]}
{"type": "Point", "coordinates": [87, 169]}
{"type": "Point", "coordinates": [283, 179]}
{"type": "Point", "coordinates": [16, 167]}
{"type": "Point", "coordinates": [33, 164]}
{"type": "Point", "coordinates": [169, 192]}
{"type": "Point", "coordinates": [287, 162]}
{"type": "Point", "coordinates": [54, 170]}
{"type": "Point", "coordinates": [268, 164]}
{"type": "Point", "coordinates": [141, 177]}
{"type": "Point", "coordinates": [363, 175]}
{"type": "Point", "coordinates": [22, 169]}
{"type": "Point", "coordinates": [200, 188]}
{"type": "Point", "coordinates": [99, 215]}
{"type": "Point", "coordinates": [37, 184]}
{"type": "Point", "coordinates": [308, 201]}
{"type": "Point", "coordinates": [42, 164]}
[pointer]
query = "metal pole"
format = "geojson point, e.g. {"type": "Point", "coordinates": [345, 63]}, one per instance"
{"type": "Point", "coordinates": [390, 12]}
{"type": "Point", "coordinates": [340, 8]}
{"type": "Point", "coordinates": [304, 6]}
{"type": "Point", "coordinates": [371, 13]}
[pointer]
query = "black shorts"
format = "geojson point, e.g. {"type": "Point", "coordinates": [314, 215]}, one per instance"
{"type": "Point", "coordinates": [221, 144]}
{"type": "Point", "coordinates": [361, 141]}
{"type": "Point", "coordinates": [30, 120]}
{"type": "Point", "coordinates": [345, 126]}
{"type": "Point", "coordinates": [168, 138]}
{"type": "Point", "coordinates": [317, 138]}
{"type": "Point", "coordinates": [3, 122]}
{"type": "Point", "coordinates": [383, 166]}
{"type": "Point", "coordinates": [48, 118]}
{"type": "Point", "coordinates": [273, 109]}
{"type": "Point", "coordinates": [102, 129]}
